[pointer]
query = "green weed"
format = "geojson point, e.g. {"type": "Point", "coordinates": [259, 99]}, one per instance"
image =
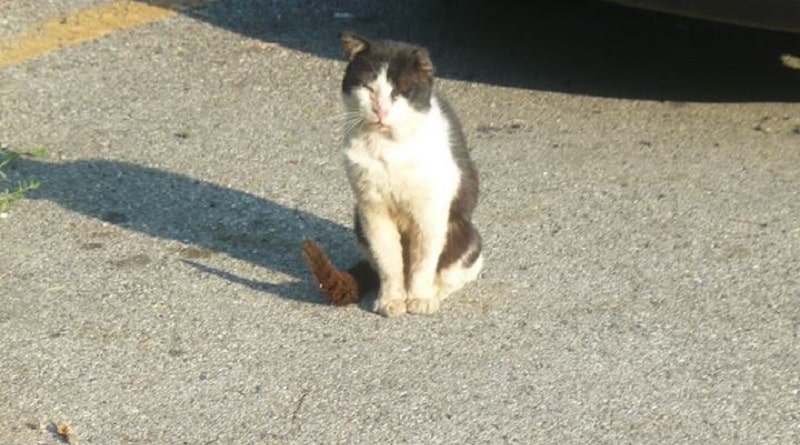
{"type": "Point", "coordinates": [11, 196]}
{"type": "Point", "coordinates": [38, 152]}
{"type": "Point", "coordinates": [7, 157]}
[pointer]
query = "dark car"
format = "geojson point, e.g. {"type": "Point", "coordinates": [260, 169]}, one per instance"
{"type": "Point", "coordinates": [780, 15]}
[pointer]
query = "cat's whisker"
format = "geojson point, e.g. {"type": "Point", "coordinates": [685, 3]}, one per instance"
{"type": "Point", "coordinates": [351, 122]}
{"type": "Point", "coordinates": [347, 115]}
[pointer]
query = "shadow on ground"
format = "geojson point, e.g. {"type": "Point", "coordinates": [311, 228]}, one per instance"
{"type": "Point", "coordinates": [581, 46]}
{"type": "Point", "coordinates": [209, 218]}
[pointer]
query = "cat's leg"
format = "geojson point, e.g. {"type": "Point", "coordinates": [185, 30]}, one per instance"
{"type": "Point", "coordinates": [455, 276]}
{"type": "Point", "coordinates": [426, 243]}
{"type": "Point", "coordinates": [461, 260]}
{"type": "Point", "coordinates": [383, 240]}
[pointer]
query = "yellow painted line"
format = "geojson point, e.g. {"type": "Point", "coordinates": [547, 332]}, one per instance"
{"type": "Point", "coordinates": [87, 25]}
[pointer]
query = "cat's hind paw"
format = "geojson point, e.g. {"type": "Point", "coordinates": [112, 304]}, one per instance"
{"type": "Point", "coordinates": [391, 308]}
{"type": "Point", "coordinates": [422, 305]}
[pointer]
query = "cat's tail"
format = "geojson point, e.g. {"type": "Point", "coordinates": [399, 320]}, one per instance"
{"type": "Point", "coordinates": [339, 287]}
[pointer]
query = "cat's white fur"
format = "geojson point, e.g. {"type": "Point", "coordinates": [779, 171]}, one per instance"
{"type": "Point", "coordinates": [404, 177]}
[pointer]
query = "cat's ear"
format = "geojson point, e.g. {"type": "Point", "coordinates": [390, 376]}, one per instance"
{"type": "Point", "coordinates": [353, 44]}
{"type": "Point", "coordinates": [424, 61]}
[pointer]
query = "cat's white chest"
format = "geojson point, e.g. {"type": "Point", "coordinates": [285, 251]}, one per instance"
{"type": "Point", "coordinates": [416, 171]}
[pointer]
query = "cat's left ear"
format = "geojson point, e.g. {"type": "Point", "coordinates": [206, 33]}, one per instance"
{"type": "Point", "coordinates": [424, 61]}
{"type": "Point", "coordinates": [353, 44]}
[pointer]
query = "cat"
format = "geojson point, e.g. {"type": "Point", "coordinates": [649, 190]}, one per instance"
{"type": "Point", "coordinates": [414, 183]}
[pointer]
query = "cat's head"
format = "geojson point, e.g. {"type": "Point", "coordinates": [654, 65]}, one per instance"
{"type": "Point", "coordinates": [386, 83]}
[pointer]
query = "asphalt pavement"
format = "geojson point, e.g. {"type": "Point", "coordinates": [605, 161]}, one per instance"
{"type": "Point", "coordinates": [640, 210]}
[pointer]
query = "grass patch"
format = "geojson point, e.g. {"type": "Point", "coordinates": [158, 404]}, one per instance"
{"type": "Point", "coordinates": [15, 192]}
{"type": "Point", "coordinates": [7, 158]}
{"type": "Point", "coordinates": [10, 198]}
{"type": "Point", "coordinates": [39, 152]}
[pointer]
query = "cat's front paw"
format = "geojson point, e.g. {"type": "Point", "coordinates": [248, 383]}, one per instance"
{"type": "Point", "coordinates": [422, 305]}
{"type": "Point", "coordinates": [390, 307]}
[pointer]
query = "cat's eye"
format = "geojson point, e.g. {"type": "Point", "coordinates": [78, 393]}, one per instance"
{"type": "Point", "coordinates": [370, 89]}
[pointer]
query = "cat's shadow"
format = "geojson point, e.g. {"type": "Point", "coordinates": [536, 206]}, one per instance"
{"type": "Point", "coordinates": [206, 218]}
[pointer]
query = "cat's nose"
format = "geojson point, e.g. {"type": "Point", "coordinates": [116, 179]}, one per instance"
{"type": "Point", "coordinates": [381, 112]}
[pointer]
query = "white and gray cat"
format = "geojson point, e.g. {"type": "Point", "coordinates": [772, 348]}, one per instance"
{"type": "Point", "coordinates": [414, 183]}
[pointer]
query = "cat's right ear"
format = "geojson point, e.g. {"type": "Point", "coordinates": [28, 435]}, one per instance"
{"type": "Point", "coordinates": [353, 44]}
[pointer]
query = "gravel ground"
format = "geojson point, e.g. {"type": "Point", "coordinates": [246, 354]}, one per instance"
{"type": "Point", "coordinates": [640, 208]}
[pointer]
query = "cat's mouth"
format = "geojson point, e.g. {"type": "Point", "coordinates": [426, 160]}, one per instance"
{"type": "Point", "coordinates": [378, 125]}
